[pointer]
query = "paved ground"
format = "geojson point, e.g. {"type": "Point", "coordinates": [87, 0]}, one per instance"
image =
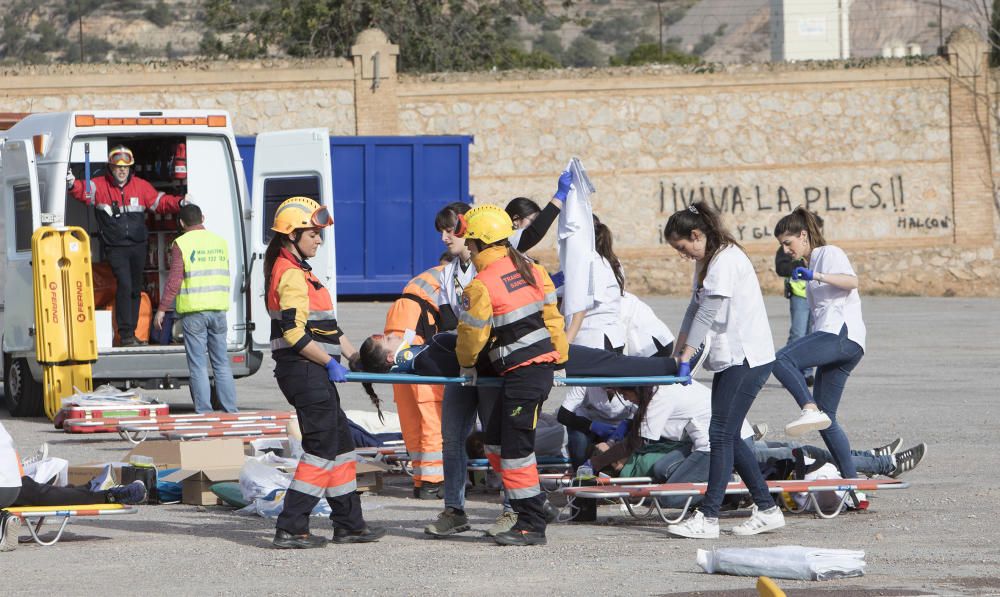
{"type": "Point", "coordinates": [928, 376]}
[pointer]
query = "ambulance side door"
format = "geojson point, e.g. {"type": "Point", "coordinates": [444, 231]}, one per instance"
{"type": "Point", "coordinates": [21, 218]}
{"type": "Point", "coordinates": [288, 164]}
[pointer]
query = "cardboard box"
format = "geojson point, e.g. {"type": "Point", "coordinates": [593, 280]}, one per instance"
{"type": "Point", "coordinates": [81, 474]}
{"type": "Point", "coordinates": [201, 464]}
{"type": "Point", "coordinates": [370, 476]}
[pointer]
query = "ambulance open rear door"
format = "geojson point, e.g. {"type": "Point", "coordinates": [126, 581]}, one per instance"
{"type": "Point", "coordinates": [22, 216]}
{"type": "Point", "coordinates": [288, 164]}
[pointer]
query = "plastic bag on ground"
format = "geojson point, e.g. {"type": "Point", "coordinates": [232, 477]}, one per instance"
{"type": "Point", "coordinates": [787, 561]}
{"type": "Point", "coordinates": [263, 485]}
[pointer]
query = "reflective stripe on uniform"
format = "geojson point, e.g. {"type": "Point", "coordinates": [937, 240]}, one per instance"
{"type": "Point", "coordinates": [320, 477]}
{"type": "Point", "coordinates": [524, 341]}
{"type": "Point", "coordinates": [471, 321]}
{"type": "Point", "coordinates": [426, 287]}
{"type": "Point", "coordinates": [206, 272]}
{"type": "Point", "coordinates": [202, 289]}
{"type": "Point", "coordinates": [517, 314]}
{"type": "Point", "coordinates": [156, 202]}
{"type": "Point", "coordinates": [520, 477]}
{"type": "Point", "coordinates": [551, 298]}
{"type": "Point", "coordinates": [331, 349]}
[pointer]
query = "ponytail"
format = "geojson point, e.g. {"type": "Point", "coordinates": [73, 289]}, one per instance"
{"type": "Point", "coordinates": [270, 256]}
{"type": "Point", "coordinates": [645, 395]}
{"type": "Point", "coordinates": [801, 219]}
{"type": "Point", "coordinates": [603, 242]}
{"type": "Point", "coordinates": [701, 216]}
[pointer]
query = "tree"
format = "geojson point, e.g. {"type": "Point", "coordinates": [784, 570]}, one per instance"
{"type": "Point", "coordinates": [159, 14]}
{"type": "Point", "coordinates": [584, 52]}
{"type": "Point", "coordinates": [649, 53]}
{"type": "Point", "coordinates": [549, 43]}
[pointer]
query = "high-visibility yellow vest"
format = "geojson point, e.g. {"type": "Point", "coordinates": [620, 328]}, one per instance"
{"type": "Point", "coordinates": [206, 272]}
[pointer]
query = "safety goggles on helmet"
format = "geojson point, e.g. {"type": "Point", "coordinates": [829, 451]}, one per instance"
{"type": "Point", "coordinates": [121, 156]}
{"type": "Point", "coordinates": [300, 212]}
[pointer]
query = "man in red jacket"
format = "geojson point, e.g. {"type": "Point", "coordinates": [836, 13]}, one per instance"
{"type": "Point", "coordinates": [120, 201]}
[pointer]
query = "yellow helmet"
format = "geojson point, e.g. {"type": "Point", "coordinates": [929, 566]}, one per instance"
{"type": "Point", "coordinates": [121, 156]}
{"type": "Point", "coordinates": [300, 212]}
{"type": "Point", "coordinates": [487, 223]}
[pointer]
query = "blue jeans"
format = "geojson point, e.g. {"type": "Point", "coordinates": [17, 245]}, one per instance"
{"type": "Point", "coordinates": [801, 318]}
{"type": "Point", "coordinates": [834, 356]}
{"type": "Point", "coordinates": [864, 461]}
{"type": "Point", "coordinates": [204, 341]}
{"type": "Point", "coordinates": [681, 466]}
{"type": "Point", "coordinates": [458, 416]}
{"type": "Point", "coordinates": [733, 392]}
{"type": "Point", "coordinates": [577, 444]}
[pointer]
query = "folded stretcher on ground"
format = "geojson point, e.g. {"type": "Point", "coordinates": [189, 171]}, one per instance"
{"type": "Point", "coordinates": [34, 516]}
{"type": "Point", "coordinates": [634, 496]}
{"type": "Point", "coordinates": [244, 424]}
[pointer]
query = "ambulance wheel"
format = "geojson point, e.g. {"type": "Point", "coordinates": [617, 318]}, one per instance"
{"type": "Point", "coordinates": [22, 394]}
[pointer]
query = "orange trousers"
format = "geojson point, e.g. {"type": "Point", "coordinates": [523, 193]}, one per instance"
{"type": "Point", "coordinates": [419, 409]}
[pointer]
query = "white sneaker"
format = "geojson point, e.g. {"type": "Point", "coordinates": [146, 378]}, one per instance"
{"type": "Point", "coordinates": [696, 527]}
{"type": "Point", "coordinates": [10, 526]}
{"type": "Point", "coordinates": [40, 455]}
{"type": "Point", "coordinates": [761, 521]}
{"type": "Point", "coordinates": [809, 420]}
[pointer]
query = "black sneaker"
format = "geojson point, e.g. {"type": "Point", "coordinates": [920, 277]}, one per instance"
{"type": "Point", "coordinates": [698, 358]}
{"type": "Point", "coordinates": [133, 493]}
{"type": "Point", "coordinates": [889, 449]}
{"type": "Point", "coordinates": [519, 537]}
{"type": "Point", "coordinates": [366, 535]}
{"type": "Point", "coordinates": [907, 460]}
{"type": "Point", "coordinates": [129, 342]}
{"type": "Point", "coordinates": [428, 491]}
{"type": "Point", "coordinates": [286, 540]}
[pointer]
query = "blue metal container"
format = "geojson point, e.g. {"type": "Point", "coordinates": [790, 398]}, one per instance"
{"type": "Point", "coordinates": [386, 191]}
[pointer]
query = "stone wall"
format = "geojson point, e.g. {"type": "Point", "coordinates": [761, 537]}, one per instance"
{"type": "Point", "coordinates": [897, 157]}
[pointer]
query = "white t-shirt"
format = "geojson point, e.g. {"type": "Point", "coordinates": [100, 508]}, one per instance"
{"type": "Point", "coordinates": [641, 327]}
{"type": "Point", "coordinates": [453, 283]}
{"type": "Point", "coordinates": [683, 413]}
{"type": "Point", "coordinates": [741, 329]}
{"type": "Point", "coordinates": [604, 318]}
{"type": "Point", "coordinates": [10, 469]}
{"type": "Point", "coordinates": [832, 307]}
{"type": "Point", "coordinates": [594, 405]}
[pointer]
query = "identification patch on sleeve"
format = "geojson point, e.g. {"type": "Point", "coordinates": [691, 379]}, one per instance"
{"type": "Point", "coordinates": [466, 303]}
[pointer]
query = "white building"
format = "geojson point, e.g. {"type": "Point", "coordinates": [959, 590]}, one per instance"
{"type": "Point", "coordinates": [810, 30]}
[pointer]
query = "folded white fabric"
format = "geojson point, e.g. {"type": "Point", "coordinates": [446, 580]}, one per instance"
{"type": "Point", "coordinates": [786, 561]}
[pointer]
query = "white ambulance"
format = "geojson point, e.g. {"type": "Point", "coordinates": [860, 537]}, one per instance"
{"type": "Point", "coordinates": [34, 156]}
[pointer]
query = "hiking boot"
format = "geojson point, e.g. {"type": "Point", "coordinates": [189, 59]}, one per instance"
{"type": "Point", "coordinates": [10, 527]}
{"type": "Point", "coordinates": [908, 459]}
{"type": "Point", "coordinates": [504, 523]}
{"type": "Point", "coordinates": [449, 522]}
{"type": "Point", "coordinates": [696, 527]}
{"type": "Point", "coordinates": [809, 420]}
{"type": "Point", "coordinates": [520, 537]}
{"type": "Point", "coordinates": [38, 456]}
{"type": "Point", "coordinates": [889, 449]}
{"type": "Point", "coordinates": [133, 493]}
{"type": "Point", "coordinates": [366, 535]}
{"type": "Point", "coordinates": [761, 521]}
{"type": "Point", "coordinates": [129, 342]}
{"type": "Point", "coordinates": [428, 491]}
{"type": "Point", "coordinates": [286, 540]}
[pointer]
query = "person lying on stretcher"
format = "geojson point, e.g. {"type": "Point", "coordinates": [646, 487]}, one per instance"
{"type": "Point", "coordinates": [670, 444]}
{"type": "Point", "coordinates": [392, 353]}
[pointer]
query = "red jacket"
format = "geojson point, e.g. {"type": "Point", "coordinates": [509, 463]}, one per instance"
{"type": "Point", "coordinates": [121, 210]}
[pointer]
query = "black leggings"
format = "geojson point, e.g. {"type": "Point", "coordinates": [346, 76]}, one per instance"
{"type": "Point", "coordinates": [8, 495]}
{"type": "Point", "coordinates": [40, 494]}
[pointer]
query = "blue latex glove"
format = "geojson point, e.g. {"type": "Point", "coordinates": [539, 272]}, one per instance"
{"type": "Point", "coordinates": [335, 371]}
{"type": "Point", "coordinates": [558, 279]}
{"type": "Point", "coordinates": [620, 431]}
{"type": "Point", "coordinates": [802, 273]}
{"type": "Point", "coordinates": [684, 370]}
{"type": "Point", "coordinates": [565, 180]}
{"type": "Point", "coordinates": [602, 430]}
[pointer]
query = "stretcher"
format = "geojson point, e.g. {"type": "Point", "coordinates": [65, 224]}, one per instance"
{"type": "Point", "coordinates": [409, 378]}
{"type": "Point", "coordinates": [34, 516]}
{"type": "Point", "coordinates": [632, 497]}
{"type": "Point", "coordinates": [111, 425]}
{"type": "Point", "coordinates": [138, 433]}
{"type": "Point", "coordinates": [544, 463]}
{"type": "Point", "coordinates": [109, 411]}
{"type": "Point", "coordinates": [251, 432]}
{"type": "Point", "coordinates": [555, 481]}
